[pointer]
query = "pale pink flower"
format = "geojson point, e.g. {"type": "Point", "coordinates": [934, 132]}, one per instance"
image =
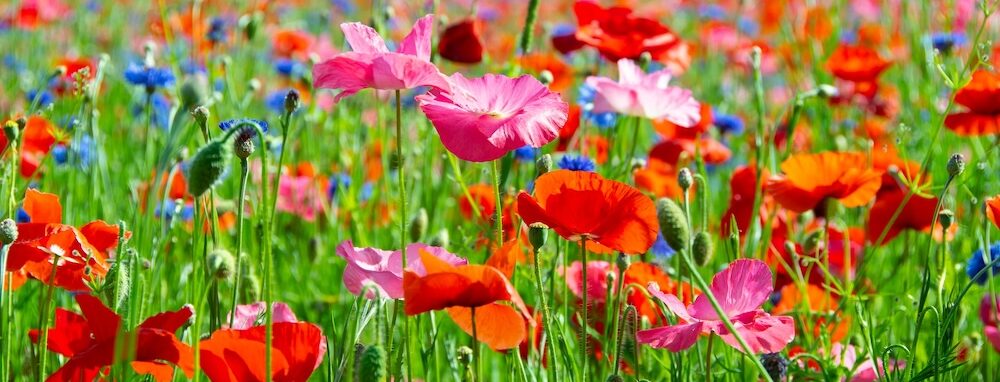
{"type": "Point", "coordinates": [300, 195]}
{"type": "Point", "coordinates": [382, 271]}
{"type": "Point", "coordinates": [644, 95]}
{"type": "Point", "coordinates": [372, 65]}
{"type": "Point", "coordinates": [741, 289]}
{"type": "Point", "coordinates": [846, 356]}
{"type": "Point", "coordinates": [481, 119]}
{"type": "Point", "coordinates": [597, 279]}
{"type": "Point", "coordinates": [988, 312]}
{"type": "Point", "coordinates": [250, 315]}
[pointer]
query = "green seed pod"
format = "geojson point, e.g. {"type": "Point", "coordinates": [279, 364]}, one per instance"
{"type": "Point", "coordinates": [536, 235]}
{"type": "Point", "coordinates": [208, 165]}
{"type": "Point", "coordinates": [116, 282]}
{"type": "Point", "coordinates": [673, 223]}
{"type": "Point", "coordinates": [221, 263]}
{"type": "Point", "coordinates": [8, 232]}
{"type": "Point", "coordinates": [701, 248]}
{"type": "Point", "coordinates": [546, 77]}
{"type": "Point", "coordinates": [956, 165]}
{"type": "Point", "coordinates": [359, 351]}
{"type": "Point", "coordinates": [622, 262]}
{"type": "Point", "coordinates": [418, 226]}
{"type": "Point", "coordinates": [440, 240]}
{"type": "Point", "coordinates": [372, 364]}
{"type": "Point", "coordinates": [543, 165]}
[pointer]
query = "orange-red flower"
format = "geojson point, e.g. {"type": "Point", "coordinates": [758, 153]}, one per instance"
{"type": "Point", "coordinates": [232, 355]}
{"type": "Point", "coordinates": [92, 340]}
{"type": "Point", "coordinates": [741, 201]}
{"type": "Point", "coordinates": [459, 290]}
{"type": "Point", "coordinates": [809, 179]}
{"type": "Point", "coordinates": [672, 150]}
{"type": "Point", "coordinates": [856, 63]}
{"type": "Point", "coordinates": [462, 42]}
{"type": "Point", "coordinates": [580, 204]}
{"type": "Point", "coordinates": [982, 97]}
{"type": "Point", "coordinates": [659, 178]}
{"type": "Point", "coordinates": [816, 301]}
{"type": "Point", "coordinates": [993, 210]}
{"type": "Point", "coordinates": [291, 43]}
{"type": "Point", "coordinates": [562, 74]}
{"type": "Point", "coordinates": [37, 140]}
{"type": "Point", "coordinates": [617, 34]}
{"type": "Point", "coordinates": [81, 254]}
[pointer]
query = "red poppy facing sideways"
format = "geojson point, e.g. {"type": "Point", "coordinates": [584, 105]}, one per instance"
{"type": "Point", "coordinates": [583, 205]}
{"type": "Point", "coordinates": [982, 97]}
{"type": "Point", "coordinates": [37, 140]}
{"type": "Point", "coordinates": [481, 119]}
{"type": "Point", "coordinates": [460, 289]}
{"type": "Point", "coordinates": [809, 179]}
{"type": "Point", "coordinates": [618, 34]}
{"type": "Point", "coordinates": [90, 342]}
{"type": "Point", "coordinates": [462, 42]}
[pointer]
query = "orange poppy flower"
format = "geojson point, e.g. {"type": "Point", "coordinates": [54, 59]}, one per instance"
{"type": "Point", "coordinates": [459, 289]}
{"type": "Point", "coordinates": [856, 63]}
{"type": "Point", "coordinates": [511, 253]}
{"type": "Point", "coordinates": [81, 254]}
{"type": "Point", "coordinates": [462, 42]}
{"type": "Point", "coordinates": [484, 197]}
{"type": "Point", "coordinates": [569, 129]}
{"type": "Point", "coordinates": [817, 25]}
{"type": "Point", "coordinates": [980, 97]}
{"type": "Point", "coordinates": [579, 204]}
{"type": "Point", "coordinates": [290, 43]}
{"type": "Point", "coordinates": [993, 210]}
{"type": "Point", "coordinates": [809, 179]}
{"type": "Point", "coordinates": [669, 130]}
{"type": "Point", "coordinates": [562, 74]}
{"type": "Point", "coordinates": [36, 142]}
{"type": "Point", "coordinates": [659, 178]}
{"type": "Point", "coordinates": [231, 355]}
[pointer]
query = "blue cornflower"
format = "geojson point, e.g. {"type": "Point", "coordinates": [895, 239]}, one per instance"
{"type": "Point", "coordinates": [151, 78]}
{"type": "Point", "coordinates": [217, 30]}
{"type": "Point", "coordinates": [22, 215]}
{"type": "Point", "coordinates": [978, 262]}
{"type": "Point", "coordinates": [287, 67]}
{"type": "Point", "coordinates": [160, 109]}
{"type": "Point", "coordinates": [525, 153]}
{"type": "Point", "coordinates": [192, 67]}
{"type": "Point", "coordinates": [576, 163]}
{"type": "Point", "coordinates": [727, 123]}
{"type": "Point", "coordinates": [43, 98]}
{"type": "Point", "coordinates": [337, 182]}
{"type": "Point", "coordinates": [276, 100]}
{"type": "Point", "coordinates": [366, 192]}
{"type": "Point", "coordinates": [944, 42]}
{"type": "Point", "coordinates": [585, 98]}
{"type": "Point", "coordinates": [661, 249]}
{"type": "Point", "coordinates": [229, 123]}
{"type": "Point", "coordinates": [60, 154]}
{"type": "Point", "coordinates": [12, 63]}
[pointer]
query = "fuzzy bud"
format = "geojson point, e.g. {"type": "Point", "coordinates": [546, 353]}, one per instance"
{"type": "Point", "coordinates": [221, 263]}
{"type": "Point", "coordinates": [673, 223]}
{"type": "Point", "coordinates": [418, 225]}
{"type": "Point", "coordinates": [543, 165]}
{"type": "Point", "coordinates": [208, 165]}
{"type": "Point", "coordinates": [200, 115]}
{"type": "Point", "coordinates": [776, 365]}
{"type": "Point", "coordinates": [685, 179]}
{"type": "Point", "coordinates": [614, 378]}
{"type": "Point", "coordinates": [701, 248]}
{"type": "Point", "coordinates": [243, 145]}
{"type": "Point", "coordinates": [622, 262]}
{"type": "Point", "coordinates": [373, 364]}
{"type": "Point", "coordinates": [956, 165]}
{"type": "Point", "coordinates": [8, 232]}
{"type": "Point", "coordinates": [192, 93]}
{"type": "Point", "coordinates": [536, 235]}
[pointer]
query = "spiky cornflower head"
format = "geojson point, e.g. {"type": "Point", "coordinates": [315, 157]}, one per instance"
{"type": "Point", "coordinates": [956, 165]}
{"type": "Point", "coordinates": [576, 163]}
{"type": "Point", "coordinates": [292, 101]}
{"type": "Point", "coordinates": [149, 77]}
{"type": "Point", "coordinates": [727, 124]}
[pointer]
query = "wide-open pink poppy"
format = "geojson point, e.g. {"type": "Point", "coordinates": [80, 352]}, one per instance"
{"type": "Point", "coordinates": [741, 289]}
{"type": "Point", "coordinates": [372, 65]}
{"type": "Point", "coordinates": [382, 271]}
{"type": "Point", "coordinates": [481, 119]}
{"type": "Point", "coordinates": [644, 95]}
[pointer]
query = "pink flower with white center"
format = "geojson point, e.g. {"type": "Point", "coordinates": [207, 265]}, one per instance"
{"type": "Point", "coordinates": [644, 95]}
{"type": "Point", "coordinates": [741, 289]}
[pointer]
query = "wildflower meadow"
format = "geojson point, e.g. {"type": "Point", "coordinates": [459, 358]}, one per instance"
{"type": "Point", "coordinates": [499, 190]}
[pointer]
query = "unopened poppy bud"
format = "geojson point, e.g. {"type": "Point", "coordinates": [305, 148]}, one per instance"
{"type": "Point", "coordinates": [249, 24]}
{"type": "Point", "coordinates": [638, 164]}
{"type": "Point", "coordinates": [221, 263]}
{"type": "Point", "coordinates": [673, 223]}
{"type": "Point", "coordinates": [243, 145]}
{"type": "Point", "coordinates": [789, 247]}
{"type": "Point", "coordinates": [439, 240]}
{"type": "Point", "coordinates": [418, 226]}
{"type": "Point", "coordinates": [373, 364]}
{"type": "Point", "coordinates": [956, 165]}
{"type": "Point", "coordinates": [60, 71]}
{"type": "Point", "coordinates": [200, 115]}
{"type": "Point", "coordinates": [254, 85]}
{"type": "Point", "coordinates": [827, 91]}
{"type": "Point", "coordinates": [359, 352]}
{"type": "Point", "coordinates": [21, 123]}
{"type": "Point", "coordinates": [11, 131]}
{"type": "Point", "coordinates": [614, 378]}
{"type": "Point", "coordinates": [292, 101]}
{"type": "Point", "coordinates": [701, 248]}
{"type": "Point", "coordinates": [208, 165]}
{"type": "Point", "coordinates": [537, 235]}
{"type": "Point", "coordinates": [684, 179]}
{"type": "Point", "coordinates": [947, 218]}
{"type": "Point", "coordinates": [192, 93]}
{"type": "Point", "coordinates": [622, 262]}
{"type": "Point", "coordinates": [8, 231]}
{"type": "Point", "coordinates": [543, 165]}
{"type": "Point", "coordinates": [546, 77]}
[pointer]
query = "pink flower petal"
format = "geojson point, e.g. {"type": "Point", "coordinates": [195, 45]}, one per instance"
{"type": "Point", "coordinates": [762, 332]}
{"type": "Point", "coordinates": [418, 41]}
{"type": "Point", "coordinates": [672, 302]}
{"type": "Point", "coordinates": [363, 38]}
{"type": "Point", "coordinates": [742, 287]}
{"type": "Point", "coordinates": [675, 338]}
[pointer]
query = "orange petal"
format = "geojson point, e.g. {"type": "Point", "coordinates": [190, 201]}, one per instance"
{"type": "Point", "coordinates": [42, 207]}
{"type": "Point", "coordinates": [499, 326]}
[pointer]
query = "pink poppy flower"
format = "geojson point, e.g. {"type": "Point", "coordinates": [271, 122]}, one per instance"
{"type": "Point", "coordinates": [597, 279]}
{"type": "Point", "coordinates": [481, 119]}
{"type": "Point", "coordinates": [372, 65]}
{"type": "Point", "coordinates": [988, 312]}
{"type": "Point", "coordinates": [644, 95]}
{"type": "Point", "coordinates": [250, 315]}
{"type": "Point", "coordinates": [300, 195]}
{"type": "Point", "coordinates": [382, 271]}
{"type": "Point", "coordinates": [741, 290]}
{"type": "Point", "coordinates": [846, 356]}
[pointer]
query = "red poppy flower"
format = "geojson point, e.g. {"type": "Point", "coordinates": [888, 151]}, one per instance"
{"type": "Point", "coordinates": [484, 197]}
{"type": "Point", "coordinates": [742, 184]}
{"type": "Point", "coordinates": [993, 210]}
{"type": "Point", "coordinates": [37, 140]}
{"type": "Point", "coordinates": [81, 254]}
{"type": "Point", "coordinates": [568, 130]}
{"type": "Point", "coordinates": [231, 355]}
{"type": "Point", "coordinates": [291, 43]}
{"type": "Point", "coordinates": [672, 150]}
{"type": "Point", "coordinates": [617, 34]}
{"type": "Point", "coordinates": [462, 42]}
{"type": "Point", "coordinates": [459, 289]}
{"type": "Point", "coordinates": [809, 179]}
{"type": "Point", "coordinates": [580, 204]}
{"type": "Point", "coordinates": [821, 308]}
{"type": "Point", "coordinates": [562, 74]}
{"type": "Point", "coordinates": [779, 259]}
{"type": "Point", "coordinates": [980, 97]}
{"type": "Point", "coordinates": [90, 341]}
{"type": "Point", "coordinates": [917, 215]}
{"type": "Point", "coordinates": [856, 63]}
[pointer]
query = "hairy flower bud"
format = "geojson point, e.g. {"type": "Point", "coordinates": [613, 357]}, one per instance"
{"type": "Point", "coordinates": [673, 223]}
{"type": "Point", "coordinates": [701, 248]}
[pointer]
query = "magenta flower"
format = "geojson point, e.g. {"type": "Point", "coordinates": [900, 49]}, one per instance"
{"type": "Point", "coordinates": [250, 315]}
{"type": "Point", "coordinates": [740, 289]}
{"type": "Point", "coordinates": [382, 271]}
{"type": "Point", "coordinates": [644, 95]}
{"type": "Point", "coordinates": [300, 195]}
{"type": "Point", "coordinates": [372, 65]}
{"type": "Point", "coordinates": [989, 310]}
{"type": "Point", "coordinates": [481, 119]}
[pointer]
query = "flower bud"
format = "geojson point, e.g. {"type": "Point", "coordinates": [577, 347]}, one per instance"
{"type": "Point", "coordinates": [439, 240]}
{"type": "Point", "coordinates": [11, 131]}
{"type": "Point", "coordinates": [776, 365]}
{"type": "Point", "coordinates": [701, 248]}
{"type": "Point", "coordinates": [243, 145]}
{"type": "Point", "coordinates": [418, 225]}
{"type": "Point", "coordinates": [956, 165]}
{"type": "Point", "coordinates": [373, 362]}
{"type": "Point", "coordinates": [684, 179]}
{"type": "Point", "coordinates": [221, 263]}
{"type": "Point", "coordinates": [8, 232]}
{"type": "Point", "coordinates": [208, 165]}
{"type": "Point", "coordinates": [200, 115]}
{"type": "Point", "coordinates": [192, 93]}
{"type": "Point", "coordinates": [645, 58]}
{"type": "Point", "coordinates": [622, 262]}
{"type": "Point", "coordinates": [947, 218]}
{"type": "Point", "coordinates": [546, 77]}
{"type": "Point", "coordinates": [813, 242]}
{"type": "Point", "coordinates": [673, 223]}
{"type": "Point", "coordinates": [614, 378]}
{"type": "Point", "coordinates": [827, 91]}
{"type": "Point", "coordinates": [292, 101]}
{"type": "Point", "coordinates": [543, 165]}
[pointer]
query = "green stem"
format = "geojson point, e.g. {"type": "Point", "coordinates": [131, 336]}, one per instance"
{"type": "Point", "coordinates": [402, 224]}
{"type": "Point", "coordinates": [244, 174]}
{"type": "Point", "coordinates": [545, 309]}
{"type": "Point", "coordinates": [498, 213]}
{"type": "Point", "coordinates": [43, 344]}
{"type": "Point", "coordinates": [529, 26]}
{"type": "Point", "coordinates": [584, 322]}
{"type": "Point", "coordinates": [475, 345]}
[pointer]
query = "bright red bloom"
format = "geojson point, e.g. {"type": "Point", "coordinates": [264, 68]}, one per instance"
{"type": "Point", "coordinates": [618, 34]}
{"type": "Point", "coordinates": [580, 204]}
{"type": "Point", "coordinates": [291, 43]}
{"type": "Point", "coordinates": [672, 150]}
{"type": "Point", "coordinates": [462, 42]}
{"type": "Point", "coordinates": [37, 140]}
{"type": "Point", "coordinates": [90, 340]}
{"type": "Point", "coordinates": [982, 97]}
{"type": "Point", "coordinates": [993, 210]}
{"type": "Point", "coordinates": [917, 214]}
{"type": "Point", "coordinates": [742, 184]}
{"type": "Point", "coordinates": [809, 179]}
{"type": "Point", "coordinates": [659, 178]}
{"type": "Point", "coordinates": [856, 63]}
{"type": "Point", "coordinates": [81, 254]}
{"type": "Point", "coordinates": [232, 355]}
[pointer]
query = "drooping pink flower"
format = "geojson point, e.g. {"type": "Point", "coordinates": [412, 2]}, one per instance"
{"type": "Point", "coordinates": [597, 279]}
{"type": "Point", "coordinates": [644, 95]}
{"type": "Point", "coordinates": [989, 310]}
{"type": "Point", "coordinates": [250, 315]}
{"type": "Point", "coordinates": [382, 271]}
{"type": "Point", "coordinates": [481, 119]}
{"type": "Point", "coordinates": [740, 289]}
{"type": "Point", "coordinates": [372, 65]}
